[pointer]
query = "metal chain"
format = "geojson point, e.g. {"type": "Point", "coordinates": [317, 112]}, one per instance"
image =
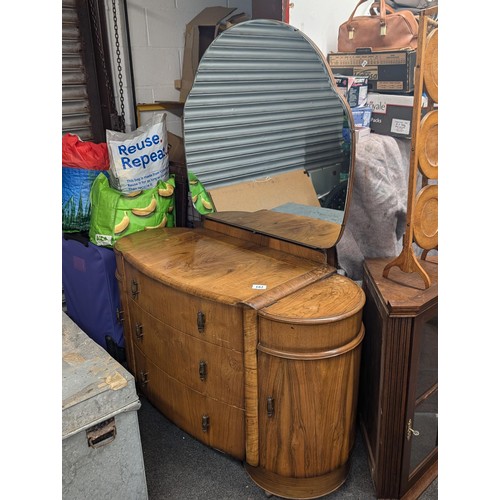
{"type": "Point", "coordinates": [118, 121]}
{"type": "Point", "coordinates": [119, 65]}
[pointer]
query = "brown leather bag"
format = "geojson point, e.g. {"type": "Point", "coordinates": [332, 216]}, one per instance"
{"type": "Point", "coordinates": [383, 29]}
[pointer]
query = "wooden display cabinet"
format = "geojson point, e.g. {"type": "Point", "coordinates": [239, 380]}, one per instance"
{"type": "Point", "coordinates": [399, 379]}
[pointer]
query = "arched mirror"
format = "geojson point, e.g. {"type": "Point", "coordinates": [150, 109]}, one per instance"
{"type": "Point", "coordinates": [269, 137]}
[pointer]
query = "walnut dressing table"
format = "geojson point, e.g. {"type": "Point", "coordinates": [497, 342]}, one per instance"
{"type": "Point", "coordinates": [253, 351]}
{"type": "Point", "coordinates": [240, 330]}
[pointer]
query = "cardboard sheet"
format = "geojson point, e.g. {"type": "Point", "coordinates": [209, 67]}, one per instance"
{"type": "Point", "coordinates": [266, 193]}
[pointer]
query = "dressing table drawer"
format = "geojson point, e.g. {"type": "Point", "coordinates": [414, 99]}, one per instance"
{"type": "Point", "coordinates": [212, 422]}
{"type": "Point", "coordinates": [209, 369]}
{"type": "Point", "coordinates": [218, 323]}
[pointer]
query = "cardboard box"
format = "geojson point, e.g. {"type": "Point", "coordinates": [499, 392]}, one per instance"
{"type": "Point", "coordinates": [390, 71]}
{"type": "Point", "coordinates": [392, 114]}
{"type": "Point", "coordinates": [200, 33]}
{"type": "Point", "coordinates": [176, 151]}
{"type": "Point", "coordinates": [353, 88]}
{"type": "Point", "coordinates": [362, 116]}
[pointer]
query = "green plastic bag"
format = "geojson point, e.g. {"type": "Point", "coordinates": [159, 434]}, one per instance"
{"type": "Point", "coordinates": [114, 214]}
{"type": "Point", "coordinates": [200, 197]}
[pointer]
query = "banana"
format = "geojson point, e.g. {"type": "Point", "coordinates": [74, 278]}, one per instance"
{"type": "Point", "coordinates": [194, 198]}
{"type": "Point", "coordinates": [170, 209]}
{"type": "Point", "coordinates": [168, 190]}
{"type": "Point", "coordinates": [161, 224]}
{"type": "Point", "coordinates": [146, 210]}
{"type": "Point", "coordinates": [121, 226]}
{"type": "Point", "coordinates": [193, 182]}
{"type": "Point", "coordinates": [132, 194]}
{"type": "Point", "coordinates": [206, 204]}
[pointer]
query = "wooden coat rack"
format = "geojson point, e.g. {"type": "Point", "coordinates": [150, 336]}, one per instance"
{"type": "Point", "coordinates": [422, 207]}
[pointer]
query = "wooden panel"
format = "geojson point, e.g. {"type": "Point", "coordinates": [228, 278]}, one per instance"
{"type": "Point", "coordinates": [370, 377]}
{"type": "Point", "coordinates": [141, 373]}
{"type": "Point", "coordinates": [179, 355]}
{"type": "Point", "coordinates": [384, 375]}
{"type": "Point", "coordinates": [405, 293]}
{"type": "Point", "coordinates": [311, 342]}
{"type": "Point", "coordinates": [211, 265]}
{"type": "Point", "coordinates": [332, 299]}
{"type": "Point", "coordinates": [127, 333]}
{"type": "Point", "coordinates": [331, 309]}
{"type": "Point", "coordinates": [186, 409]}
{"type": "Point", "coordinates": [313, 254]}
{"type": "Point", "coordinates": [298, 487]}
{"type": "Point", "coordinates": [251, 387]}
{"type": "Point", "coordinates": [393, 398]}
{"type": "Point", "coordinates": [313, 427]}
{"type": "Point", "coordinates": [315, 233]}
{"type": "Point", "coordinates": [223, 323]}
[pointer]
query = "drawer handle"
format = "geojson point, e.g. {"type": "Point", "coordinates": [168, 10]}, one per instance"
{"type": "Point", "coordinates": [119, 315]}
{"type": "Point", "coordinates": [101, 434]}
{"type": "Point", "coordinates": [143, 376]}
{"type": "Point", "coordinates": [134, 286]}
{"type": "Point", "coordinates": [201, 322]}
{"type": "Point", "coordinates": [205, 423]}
{"type": "Point", "coordinates": [270, 406]}
{"type": "Point", "coordinates": [138, 331]}
{"type": "Point", "coordinates": [202, 369]}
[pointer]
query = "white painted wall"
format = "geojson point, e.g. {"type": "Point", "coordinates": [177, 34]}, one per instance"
{"type": "Point", "coordinates": [157, 31]}
{"type": "Point", "coordinates": [320, 19]}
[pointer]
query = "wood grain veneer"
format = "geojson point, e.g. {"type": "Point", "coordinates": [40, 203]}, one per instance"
{"type": "Point", "coordinates": [216, 325]}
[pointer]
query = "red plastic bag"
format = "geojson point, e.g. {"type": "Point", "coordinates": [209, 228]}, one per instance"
{"type": "Point", "coordinates": [84, 154]}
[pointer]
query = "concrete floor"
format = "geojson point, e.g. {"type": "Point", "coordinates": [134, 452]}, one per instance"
{"type": "Point", "coordinates": [181, 468]}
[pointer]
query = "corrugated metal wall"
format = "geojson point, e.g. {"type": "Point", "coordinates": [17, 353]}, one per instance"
{"type": "Point", "coordinates": [75, 102]}
{"type": "Point", "coordinates": [262, 102]}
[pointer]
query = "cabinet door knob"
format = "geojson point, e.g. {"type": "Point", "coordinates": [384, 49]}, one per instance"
{"type": "Point", "coordinates": [270, 406]}
{"type": "Point", "coordinates": [202, 370]}
{"type": "Point", "coordinates": [205, 423]}
{"type": "Point", "coordinates": [201, 322]}
{"type": "Point", "coordinates": [138, 331]}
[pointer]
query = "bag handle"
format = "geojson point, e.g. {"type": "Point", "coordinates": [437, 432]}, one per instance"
{"type": "Point", "coordinates": [375, 8]}
{"type": "Point", "coordinates": [382, 15]}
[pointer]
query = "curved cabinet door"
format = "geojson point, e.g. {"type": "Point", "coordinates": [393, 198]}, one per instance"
{"type": "Point", "coordinates": [307, 412]}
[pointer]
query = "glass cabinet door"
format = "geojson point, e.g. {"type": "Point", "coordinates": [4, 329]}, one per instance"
{"type": "Point", "coordinates": [422, 412]}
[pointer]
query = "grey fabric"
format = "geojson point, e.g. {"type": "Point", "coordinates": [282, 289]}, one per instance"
{"type": "Point", "coordinates": [377, 213]}
{"type": "Point", "coordinates": [414, 6]}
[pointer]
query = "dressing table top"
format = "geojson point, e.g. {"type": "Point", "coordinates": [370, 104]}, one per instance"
{"type": "Point", "coordinates": [216, 266]}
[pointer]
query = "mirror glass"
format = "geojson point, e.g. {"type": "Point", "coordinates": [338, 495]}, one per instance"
{"type": "Point", "coordinates": [269, 136]}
